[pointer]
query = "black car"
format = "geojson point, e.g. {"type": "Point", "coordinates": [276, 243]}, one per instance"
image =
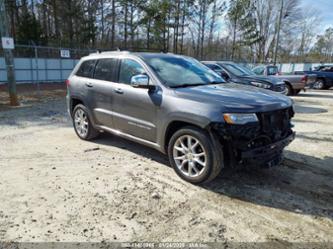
{"type": "Point", "coordinates": [180, 107]}
{"type": "Point", "coordinates": [233, 72]}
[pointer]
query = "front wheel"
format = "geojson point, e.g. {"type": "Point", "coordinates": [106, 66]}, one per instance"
{"type": "Point", "coordinates": [194, 155]}
{"type": "Point", "coordinates": [289, 90]}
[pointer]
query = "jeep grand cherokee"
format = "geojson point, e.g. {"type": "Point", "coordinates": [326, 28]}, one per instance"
{"type": "Point", "coordinates": [179, 107]}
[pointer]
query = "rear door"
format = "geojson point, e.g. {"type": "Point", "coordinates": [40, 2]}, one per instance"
{"type": "Point", "coordinates": [101, 89]}
{"type": "Point", "coordinates": [134, 109]}
{"type": "Point", "coordinates": [328, 74]}
{"type": "Point", "coordinates": [79, 82]}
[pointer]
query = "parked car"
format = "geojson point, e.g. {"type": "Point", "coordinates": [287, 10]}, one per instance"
{"type": "Point", "coordinates": [179, 107]}
{"type": "Point", "coordinates": [324, 75]}
{"type": "Point", "coordinates": [294, 83]}
{"type": "Point", "coordinates": [233, 72]}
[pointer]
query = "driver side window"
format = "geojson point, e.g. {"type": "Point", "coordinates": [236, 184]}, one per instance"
{"type": "Point", "coordinates": [128, 69]}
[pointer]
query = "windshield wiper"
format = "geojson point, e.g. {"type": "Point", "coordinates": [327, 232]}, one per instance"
{"type": "Point", "coordinates": [216, 82]}
{"type": "Point", "coordinates": [187, 85]}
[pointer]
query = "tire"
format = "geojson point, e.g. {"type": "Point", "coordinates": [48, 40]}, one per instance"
{"type": "Point", "coordinates": [82, 124]}
{"type": "Point", "coordinates": [289, 90]}
{"type": "Point", "coordinates": [186, 162]}
{"type": "Point", "coordinates": [319, 84]}
{"type": "Point", "coordinates": [296, 92]}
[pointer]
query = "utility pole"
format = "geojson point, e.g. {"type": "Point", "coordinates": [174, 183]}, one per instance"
{"type": "Point", "coordinates": [278, 33]}
{"type": "Point", "coordinates": [4, 32]}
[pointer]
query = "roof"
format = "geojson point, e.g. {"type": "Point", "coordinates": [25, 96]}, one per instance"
{"type": "Point", "coordinates": [120, 53]}
{"type": "Point", "coordinates": [216, 62]}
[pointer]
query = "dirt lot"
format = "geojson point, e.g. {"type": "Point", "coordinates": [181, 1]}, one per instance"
{"type": "Point", "coordinates": [55, 187]}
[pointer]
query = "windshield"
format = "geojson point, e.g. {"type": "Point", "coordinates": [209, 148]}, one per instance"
{"type": "Point", "coordinates": [238, 70]}
{"type": "Point", "coordinates": [246, 70]}
{"type": "Point", "coordinates": [176, 71]}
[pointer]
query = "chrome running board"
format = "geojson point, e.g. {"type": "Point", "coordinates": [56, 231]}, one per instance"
{"type": "Point", "coordinates": [129, 137]}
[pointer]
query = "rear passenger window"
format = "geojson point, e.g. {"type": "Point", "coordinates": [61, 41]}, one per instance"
{"type": "Point", "coordinates": [104, 69]}
{"type": "Point", "coordinates": [272, 70]}
{"type": "Point", "coordinates": [86, 69]}
{"type": "Point", "coordinates": [128, 69]}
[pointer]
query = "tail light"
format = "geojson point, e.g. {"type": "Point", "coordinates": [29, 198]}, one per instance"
{"type": "Point", "coordinates": [67, 83]}
{"type": "Point", "coordinates": [304, 79]}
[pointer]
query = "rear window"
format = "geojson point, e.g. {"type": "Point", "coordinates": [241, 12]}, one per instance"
{"type": "Point", "coordinates": [86, 69]}
{"type": "Point", "coordinates": [105, 69]}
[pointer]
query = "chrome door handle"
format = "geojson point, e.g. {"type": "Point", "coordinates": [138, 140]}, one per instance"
{"type": "Point", "coordinates": [119, 90]}
{"type": "Point", "coordinates": [88, 84]}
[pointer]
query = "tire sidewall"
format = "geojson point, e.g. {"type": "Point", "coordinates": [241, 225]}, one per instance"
{"type": "Point", "coordinates": [322, 84]}
{"type": "Point", "coordinates": [83, 108]}
{"type": "Point", "coordinates": [204, 139]}
{"type": "Point", "coordinates": [289, 90]}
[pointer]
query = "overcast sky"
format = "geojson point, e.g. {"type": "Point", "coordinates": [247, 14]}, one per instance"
{"type": "Point", "coordinates": [325, 8]}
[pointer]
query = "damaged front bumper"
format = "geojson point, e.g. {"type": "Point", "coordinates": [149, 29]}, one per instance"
{"type": "Point", "coordinates": [268, 155]}
{"type": "Point", "coordinates": [256, 144]}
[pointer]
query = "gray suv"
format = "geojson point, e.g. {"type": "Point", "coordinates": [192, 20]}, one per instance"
{"type": "Point", "coordinates": [180, 107]}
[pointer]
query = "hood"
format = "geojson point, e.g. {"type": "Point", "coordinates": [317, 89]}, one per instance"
{"type": "Point", "coordinates": [236, 98]}
{"type": "Point", "coordinates": [270, 79]}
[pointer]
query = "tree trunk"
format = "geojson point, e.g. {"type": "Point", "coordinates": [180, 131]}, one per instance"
{"type": "Point", "coordinates": [203, 26]}
{"type": "Point", "coordinates": [55, 18]}
{"type": "Point", "coordinates": [148, 34]}
{"type": "Point", "coordinates": [102, 22]}
{"type": "Point", "coordinates": [183, 27]}
{"type": "Point", "coordinates": [132, 24]}
{"type": "Point", "coordinates": [125, 24]}
{"type": "Point", "coordinates": [113, 25]}
{"type": "Point", "coordinates": [212, 24]}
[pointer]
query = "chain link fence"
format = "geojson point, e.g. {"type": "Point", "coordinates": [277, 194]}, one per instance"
{"type": "Point", "coordinates": [38, 68]}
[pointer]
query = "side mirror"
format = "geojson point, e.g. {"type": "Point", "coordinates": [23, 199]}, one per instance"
{"type": "Point", "coordinates": [141, 81]}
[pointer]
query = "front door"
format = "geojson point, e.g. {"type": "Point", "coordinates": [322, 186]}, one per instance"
{"type": "Point", "coordinates": [134, 109]}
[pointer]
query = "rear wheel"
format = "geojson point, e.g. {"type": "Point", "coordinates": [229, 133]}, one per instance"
{"type": "Point", "coordinates": [319, 84]}
{"type": "Point", "coordinates": [296, 92]}
{"type": "Point", "coordinates": [82, 124]}
{"type": "Point", "coordinates": [194, 155]}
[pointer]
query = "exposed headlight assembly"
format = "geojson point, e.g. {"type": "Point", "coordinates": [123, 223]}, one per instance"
{"type": "Point", "coordinates": [260, 84]}
{"type": "Point", "coordinates": [240, 118]}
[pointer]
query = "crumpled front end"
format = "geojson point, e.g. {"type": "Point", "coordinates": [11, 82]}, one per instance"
{"type": "Point", "coordinates": [260, 143]}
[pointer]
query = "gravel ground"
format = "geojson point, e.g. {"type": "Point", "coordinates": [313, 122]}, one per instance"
{"type": "Point", "coordinates": [55, 187]}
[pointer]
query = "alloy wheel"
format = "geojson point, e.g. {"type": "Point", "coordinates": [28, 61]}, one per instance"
{"type": "Point", "coordinates": [318, 84]}
{"type": "Point", "coordinates": [81, 123]}
{"type": "Point", "coordinates": [190, 156]}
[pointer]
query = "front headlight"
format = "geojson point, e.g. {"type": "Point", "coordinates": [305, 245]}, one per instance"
{"type": "Point", "coordinates": [260, 84]}
{"type": "Point", "coordinates": [240, 118]}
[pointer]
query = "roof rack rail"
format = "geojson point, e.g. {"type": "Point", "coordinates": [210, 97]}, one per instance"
{"type": "Point", "coordinates": [99, 51]}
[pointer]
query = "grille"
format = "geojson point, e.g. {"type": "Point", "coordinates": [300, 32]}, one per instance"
{"type": "Point", "coordinates": [276, 124]}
